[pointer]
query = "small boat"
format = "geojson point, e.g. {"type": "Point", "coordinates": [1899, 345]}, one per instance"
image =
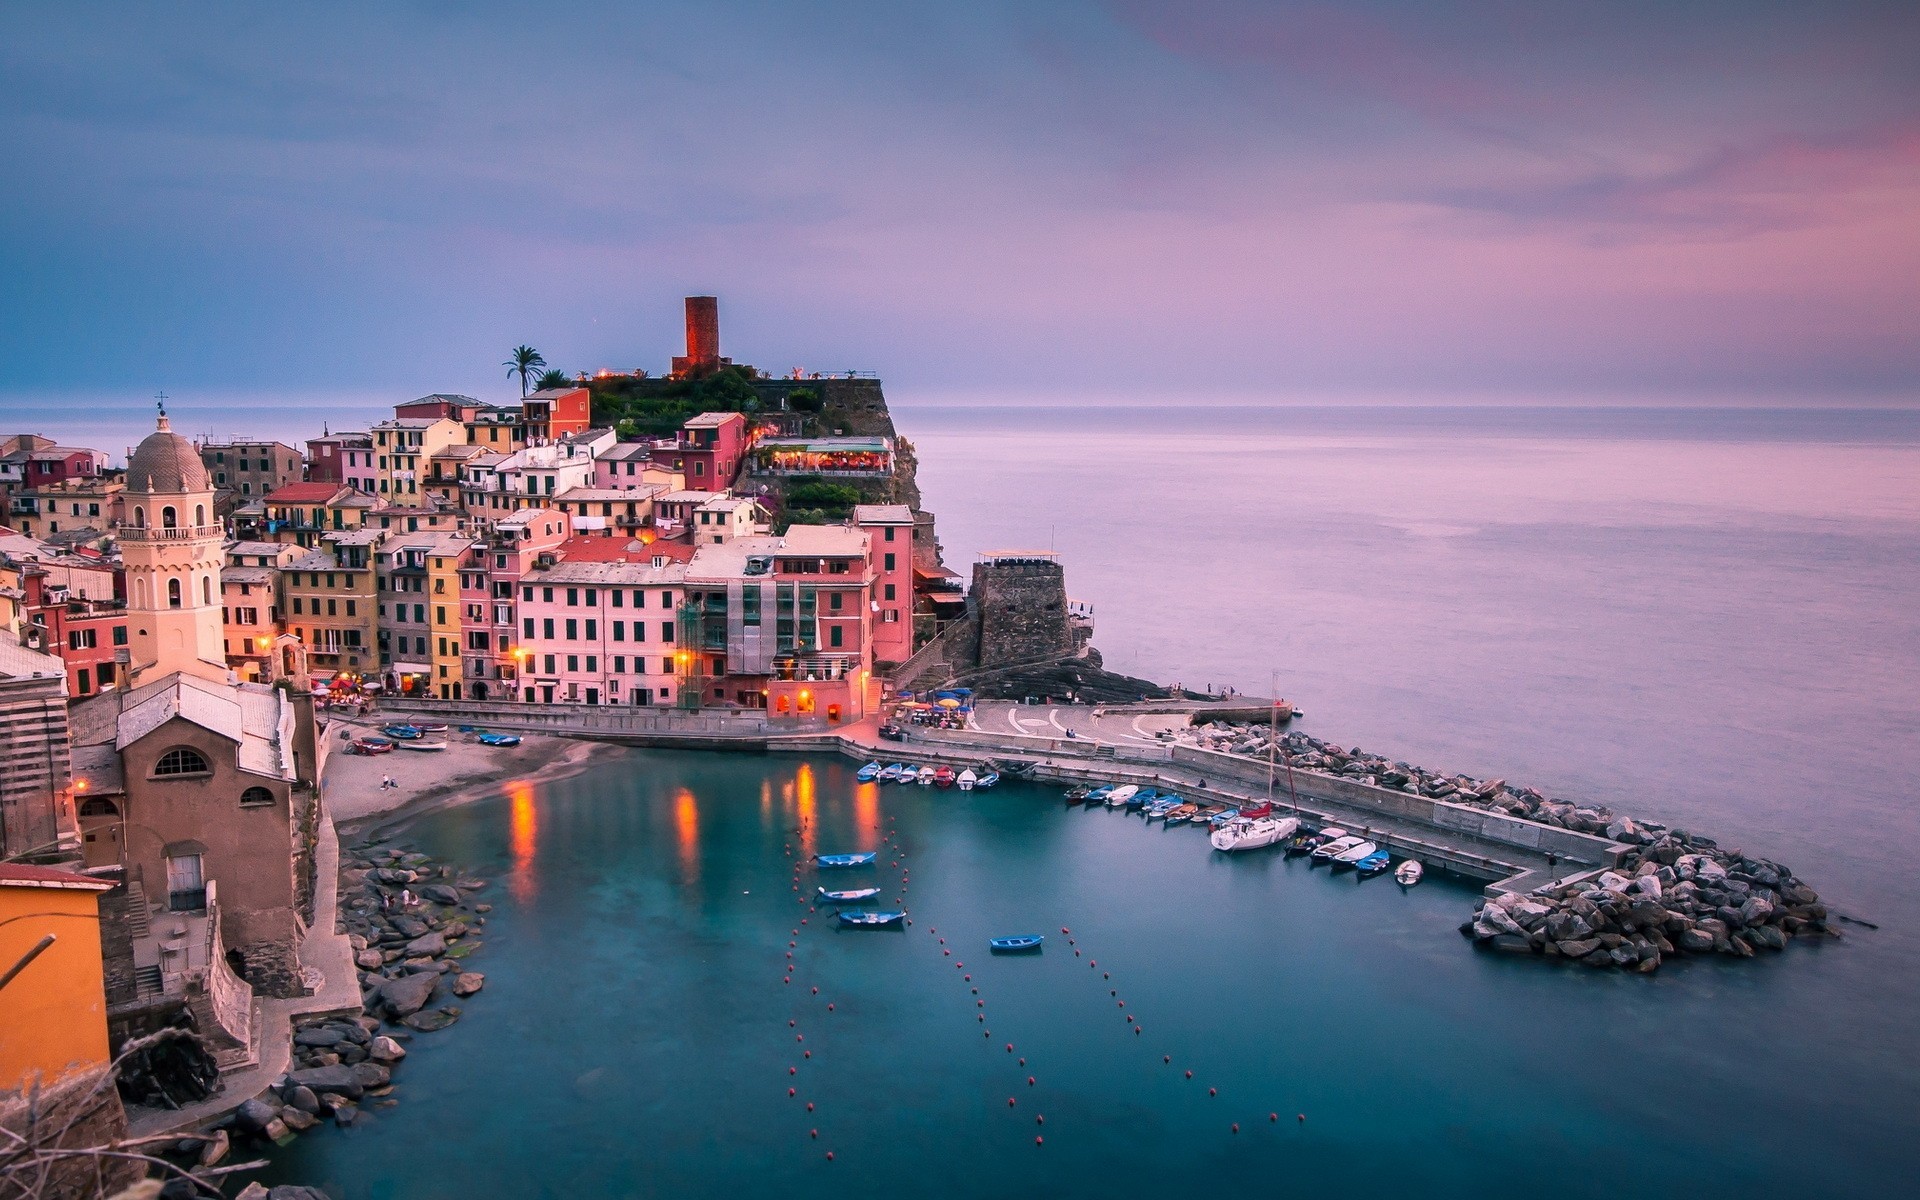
{"type": "Point", "coordinates": [988, 780]}
{"type": "Point", "coordinates": [1409, 872]}
{"type": "Point", "coordinates": [427, 747]}
{"type": "Point", "coordinates": [1353, 854]}
{"type": "Point", "coordinates": [1374, 863]}
{"type": "Point", "coordinates": [1223, 818]}
{"type": "Point", "coordinates": [429, 726]}
{"type": "Point", "coordinates": [846, 860]}
{"type": "Point", "coordinates": [1180, 814]}
{"type": "Point", "coordinates": [874, 918]}
{"type": "Point", "coordinates": [1306, 843]}
{"type": "Point", "coordinates": [852, 896]}
{"type": "Point", "coordinates": [967, 780]}
{"type": "Point", "coordinates": [906, 773]}
{"type": "Point", "coordinates": [1141, 799]}
{"type": "Point", "coordinates": [1076, 794]}
{"type": "Point", "coordinates": [943, 777]}
{"type": "Point", "coordinates": [1325, 851]}
{"type": "Point", "coordinates": [1099, 795]}
{"type": "Point", "coordinates": [925, 777]}
{"type": "Point", "coordinates": [404, 733]}
{"type": "Point", "coordinates": [498, 739]}
{"type": "Point", "coordinates": [1162, 806]}
{"type": "Point", "coordinates": [869, 773]}
{"type": "Point", "coordinates": [1022, 943]}
{"type": "Point", "coordinates": [1207, 812]}
{"type": "Point", "coordinates": [371, 745]}
{"type": "Point", "coordinates": [1118, 797]}
{"type": "Point", "coordinates": [888, 774]}
{"type": "Point", "coordinates": [1252, 833]}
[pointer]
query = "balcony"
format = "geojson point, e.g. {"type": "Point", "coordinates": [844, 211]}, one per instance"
{"type": "Point", "coordinates": [184, 533]}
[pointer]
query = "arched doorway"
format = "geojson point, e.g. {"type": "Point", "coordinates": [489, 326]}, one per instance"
{"type": "Point", "coordinates": [99, 832]}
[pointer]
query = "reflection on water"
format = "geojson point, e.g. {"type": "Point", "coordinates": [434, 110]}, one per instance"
{"type": "Point", "coordinates": [523, 839]}
{"type": "Point", "coordinates": [686, 827]}
{"type": "Point", "coordinates": [866, 814]}
{"type": "Point", "coordinates": [806, 802]}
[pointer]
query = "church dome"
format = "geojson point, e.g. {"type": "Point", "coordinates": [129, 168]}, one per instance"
{"type": "Point", "coordinates": [166, 463]}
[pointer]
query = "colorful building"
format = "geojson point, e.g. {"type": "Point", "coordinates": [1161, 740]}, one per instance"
{"type": "Point", "coordinates": [338, 457]}
{"type": "Point", "coordinates": [54, 1011]}
{"type": "Point", "coordinates": [630, 466]}
{"type": "Point", "coordinates": [889, 530]}
{"type": "Point", "coordinates": [708, 450]}
{"type": "Point", "coordinates": [303, 513]}
{"type": "Point", "coordinates": [330, 600]}
{"type": "Point", "coordinates": [402, 450]}
{"type": "Point", "coordinates": [554, 413]}
{"type": "Point", "coordinates": [252, 468]}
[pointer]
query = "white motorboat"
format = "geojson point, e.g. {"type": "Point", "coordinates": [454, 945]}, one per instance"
{"type": "Point", "coordinates": [1340, 845]}
{"type": "Point", "coordinates": [1118, 797]}
{"type": "Point", "coordinates": [967, 780]}
{"type": "Point", "coordinates": [925, 777]}
{"type": "Point", "coordinates": [1353, 854]}
{"type": "Point", "coordinates": [1409, 873]}
{"type": "Point", "coordinates": [1253, 833]}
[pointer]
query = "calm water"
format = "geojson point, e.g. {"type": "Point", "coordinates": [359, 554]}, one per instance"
{"type": "Point", "coordinates": [1704, 617]}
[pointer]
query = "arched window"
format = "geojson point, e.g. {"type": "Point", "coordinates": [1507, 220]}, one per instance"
{"type": "Point", "coordinates": [173, 591]}
{"type": "Point", "coordinates": [255, 797]}
{"type": "Point", "coordinates": [169, 519]}
{"type": "Point", "coordinates": [139, 516]}
{"type": "Point", "coordinates": [206, 590]}
{"type": "Point", "coordinates": [181, 760]}
{"type": "Point", "coordinates": [140, 597]}
{"type": "Point", "coordinates": [199, 514]}
{"type": "Point", "coordinates": [98, 806]}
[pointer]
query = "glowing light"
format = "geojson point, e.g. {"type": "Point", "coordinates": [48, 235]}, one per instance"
{"type": "Point", "coordinates": [523, 839]}
{"type": "Point", "coordinates": [79, 785]}
{"type": "Point", "coordinates": [686, 821]}
{"type": "Point", "coordinates": [805, 804]}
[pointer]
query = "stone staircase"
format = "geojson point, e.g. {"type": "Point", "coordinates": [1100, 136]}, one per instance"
{"type": "Point", "coordinates": [139, 915]}
{"type": "Point", "coordinates": [147, 982]}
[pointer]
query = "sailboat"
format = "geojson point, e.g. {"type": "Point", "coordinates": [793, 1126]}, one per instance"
{"type": "Point", "coordinates": [1244, 833]}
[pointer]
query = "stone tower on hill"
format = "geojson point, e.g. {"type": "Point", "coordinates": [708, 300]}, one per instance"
{"type": "Point", "coordinates": [703, 340]}
{"type": "Point", "coordinates": [1020, 601]}
{"type": "Point", "coordinates": [171, 550]}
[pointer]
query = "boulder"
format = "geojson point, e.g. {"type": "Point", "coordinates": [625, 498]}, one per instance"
{"type": "Point", "coordinates": [408, 994]}
{"type": "Point", "coordinates": [277, 1131]}
{"type": "Point", "coordinates": [429, 1021]}
{"type": "Point", "coordinates": [369, 960]}
{"type": "Point", "coordinates": [253, 1191]}
{"type": "Point", "coordinates": [411, 927]}
{"type": "Point", "coordinates": [298, 1121]}
{"type": "Point", "coordinates": [301, 1098]}
{"type": "Point", "coordinates": [428, 945]}
{"type": "Point", "coordinates": [1767, 937]}
{"type": "Point", "coordinates": [1512, 944]}
{"type": "Point", "coordinates": [253, 1116]}
{"type": "Point", "coordinates": [1599, 958]}
{"type": "Point", "coordinates": [386, 1050]}
{"type": "Point", "coordinates": [372, 1075]}
{"type": "Point", "coordinates": [1529, 915]}
{"type": "Point", "coordinates": [339, 1080]}
{"type": "Point", "coordinates": [468, 983]}
{"type": "Point", "coordinates": [1579, 948]}
{"type": "Point", "coordinates": [215, 1148]}
{"type": "Point", "coordinates": [319, 1035]}
{"type": "Point", "coordinates": [1646, 914]}
{"type": "Point", "coordinates": [1696, 940]}
{"type": "Point", "coordinates": [441, 893]}
{"type": "Point", "coordinates": [1755, 911]}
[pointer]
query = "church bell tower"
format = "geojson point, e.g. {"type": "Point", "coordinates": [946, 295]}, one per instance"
{"type": "Point", "coordinates": [171, 547]}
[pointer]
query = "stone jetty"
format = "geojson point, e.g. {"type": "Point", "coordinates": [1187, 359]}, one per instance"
{"type": "Point", "coordinates": [1671, 892]}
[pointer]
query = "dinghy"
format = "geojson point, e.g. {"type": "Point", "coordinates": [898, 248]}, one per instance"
{"type": "Point", "coordinates": [967, 780]}
{"type": "Point", "coordinates": [1141, 799]}
{"type": "Point", "coordinates": [1225, 816]}
{"type": "Point", "coordinates": [845, 860]}
{"type": "Point", "coordinates": [1118, 797]}
{"type": "Point", "coordinates": [1325, 851]}
{"type": "Point", "coordinates": [1409, 873]}
{"type": "Point", "coordinates": [906, 773]}
{"type": "Point", "coordinates": [1374, 863]}
{"type": "Point", "coordinates": [943, 777]}
{"type": "Point", "coordinates": [1353, 854]}
{"type": "Point", "coordinates": [852, 896]}
{"type": "Point", "coordinates": [1076, 794]}
{"type": "Point", "coordinates": [1018, 944]}
{"type": "Point", "coordinates": [889, 773]}
{"type": "Point", "coordinates": [1180, 814]}
{"type": "Point", "coordinates": [988, 780]}
{"type": "Point", "coordinates": [1099, 795]}
{"type": "Point", "coordinates": [925, 777]}
{"type": "Point", "coordinates": [426, 746]}
{"type": "Point", "coordinates": [869, 773]}
{"type": "Point", "coordinates": [873, 919]}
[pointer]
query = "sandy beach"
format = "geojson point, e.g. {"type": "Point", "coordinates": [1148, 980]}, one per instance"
{"type": "Point", "coordinates": [464, 771]}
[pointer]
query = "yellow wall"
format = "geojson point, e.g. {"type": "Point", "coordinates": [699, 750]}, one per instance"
{"type": "Point", "coordinates": [443, 615]}
{"type": "Point", "coordinates": [53, 1016]}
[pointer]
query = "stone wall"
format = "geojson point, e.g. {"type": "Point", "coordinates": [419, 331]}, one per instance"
{"type": "Point", "coordinates": [1022, 612]}
{"type": "Point", "coordinates": [82, 1110]}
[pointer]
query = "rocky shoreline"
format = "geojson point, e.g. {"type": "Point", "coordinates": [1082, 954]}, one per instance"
{"type": "Point", "coordinates": [1674, 893]}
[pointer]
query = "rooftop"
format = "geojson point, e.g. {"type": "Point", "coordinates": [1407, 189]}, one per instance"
{"type": "Point", "coordinates": [712, 420]}
{"type": "Point", "coordinates": [882, 514]}
{"type": "Point", "coordinates": [306, 493]}
{"type": "Point", "coordinates": [20, 875]}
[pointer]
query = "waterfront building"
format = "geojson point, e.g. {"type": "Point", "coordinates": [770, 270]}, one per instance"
{"type": "Point", "coordinates": [631, 466]}
{"type": "Point", "coordinates": [330, 603]}
{"type": "Point", "coordinates": [37, 807]}
{"type": "Point", "coordinates": [341, 458]}
{"type": "Point", "coordinates": [889, 529]}
{"type": "Point", "coordinates": [402, 449]}
{"type": "Point", "coordinates": [513, 546]}
{"type": "Point", "coordinates": [554, 413]}
{"type": "Point", "coordinates": [250, 615]}
{"type": "Point", "coordinates": [606, 512]}
{"type": "Point", "coordinates": [673, 512]}
{"type": "Point", "coordinates": [446, 615]}
{"type": "Point", "coordinates": [707, 450]}
{"type": "Point", "coordinates": [303, 513]}
{"type": "Point", "coordinates": [439, 406]}
{"type": "Point", "coordinates": [832, 457]}
{"type": "Point", "coordinates": [251, 467]}
{"type": "Point", "coordinates": [538, 473]}
{"type": "Point", "coordinates": [501, 428]}
{"type": "Point", "coordinates": [600, 632]}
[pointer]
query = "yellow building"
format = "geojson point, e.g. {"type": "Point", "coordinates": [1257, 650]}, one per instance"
{"type": "Point", "coordinates": [403, 451]}
{"type": "Point", "coordinates": [53, 1011]}
{"type": "Point", "coordinates": [444, 559]}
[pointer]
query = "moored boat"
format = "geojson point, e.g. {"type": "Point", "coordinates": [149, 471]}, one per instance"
{"type": "Point", "coordinates": [1118, 797]}
{"type": "Point", "coordinates": [874, 918]}
{"type": "Point", "coordinates": [1163, 805]}
{"type": "Point", "coordinates": [1022, 943]}
{"type": "Point", "coordinates": [1099, 795]}
{"type": "Point", "coordinates": [1353, 854]}
{"type": "Point", "coordinates": [1409, 872]}
{"type": "Point", "coordinates": [1253, 833]}
{"type": "Point", "coordinates": [924, 777]}
{"type": "Point", "coordinates": [851, 896]}
{"type": "Point", "coordinates": [906, 773]}
{"type": "Point", "coordinates": [1076, 794]}
{"type": "Point", "coordinates": [846, 860]}
{"type": "Point", "coordinates": [967, 780]}
{"type": "Point", "coordinates": [988, 780]}
{"type": "Point", "coordinates": [942, 777]}
{"type": "Point", "coordinates": [869, 773]}
{"type": "Point", "coordinates": [889, 773]}
{"type": "Point", "coordinates": [1141, 799]}
{"type": "Point", "coordinates": [1262, 809]}
{"type": "Point", "coordinates": [1180, 814]}
{"type": "Point", "coordinates": [1220, 819]}
{"type": "Point", "coordinates": [1325, 851]}
{"type": "Point", "coordinates": [1374, 863]}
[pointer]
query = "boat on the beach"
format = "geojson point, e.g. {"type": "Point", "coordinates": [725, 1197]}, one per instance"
{"type": "Point", "coordinates": [1118, 797]}
{"type": "Point", "coordinates": [498, 739]}
{"type": "Point", "coordinates": [869, 773]}
{"type": "Point", "coordinates": [966, 780]}
{"type": "Point", "coordinates": [1353, 854]}
{"type": "Point", "coordinates": [1325, 851]}
{"type": "Point", "coordinates": [851, 896]}
{"type": "Point", "coordinates": [1409, 872]}
{"type": "Point", "coordinates": [924, 777]}
{"type": "Point", "coordinates": [424, 747]}
{"type": "Point", "coordinates": [1021, 943]}
{"type": "Point", "coordinates": [1180, 814]}
{"type": "Point", "coordinates": [873, 918]}
{"type": "Point", "coordinates": [1374, 863]}
{"type": "Point", "coordinates": [403, 733]}
{"type": "Point", "coordinates": [371, 745]}
{"type": "Point", "coordinates": [429, 726]}
{"type": "Point", "coordinates": [845, 860]}
{"type": "Point", "coordinates": [943, 777]}
{"type": "Point", "coordinates": [988, 780]}
{"type": "Point", "coordinates": [1252, 833]}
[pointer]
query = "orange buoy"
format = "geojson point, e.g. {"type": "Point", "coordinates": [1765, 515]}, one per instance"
{"type": "Point", "coordinates": [1136, 1029]}
{"type": "Point", "coordinates": [979, 1003]}
{"type": "Point", "coordinates": [788, 979]}
{"type": "Point", "coordinates": [1076, 954]}
{"type": "Point", "coordinates": [791, 1023]}
{"type": "Point", "coordinates": [969, 978]}
{"type": "Point", "coordinates": [799, 1037]}
{"type": "Point", "coordinates": [947, 953]}
{"type": "Point", "coordinates": [816, 991]}
{"type": "Point", "coordinates": [983, 1016]}
{"type": "Point", "coordinates": [1063, 929]}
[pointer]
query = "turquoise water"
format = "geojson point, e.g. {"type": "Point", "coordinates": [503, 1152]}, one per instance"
{"type": "Point", "coordinates": [633, 1038]}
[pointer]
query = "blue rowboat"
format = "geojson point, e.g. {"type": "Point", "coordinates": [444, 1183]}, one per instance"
{"type": "Point", "coordinates": [1141, 799]}
{"type": "Point", "coordinates": [1374, 863]}
{"type": "Point", "coordinates": [1220, 819]}
{"type": "Point", "coordinates": [987, 780]}
{"type": "Point", "coordinates": [869, 773]}
{"type": "Point", "coordinates": [848, 897]}
{"type": "Point", "coordinates": [1018, 944]}
{"type": "Point", "coordinates": [405, 733]}
{"type": "Point", "coordinates": [498, 739]}
{"type": "Point", "coordinates": [868, 918]}
{"type": "Point", "coordinates": [845, 860]}
{"type": "Point", "coordinates": [905, 773]}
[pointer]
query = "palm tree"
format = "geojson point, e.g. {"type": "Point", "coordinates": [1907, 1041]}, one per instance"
{"type": "Point", "coordinates": [526, 361]}
{"type": "Point", "coordinates": [553, 379]}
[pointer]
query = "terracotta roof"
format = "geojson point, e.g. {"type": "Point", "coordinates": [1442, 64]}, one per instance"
{"type": "Point", "coordinates": [166, 463]}
{"type": "Point", "coordinates": [17, 875]}
{"type": "Point", "coordinates": [305, 493]}
{"type": "Point", "coordinates": [620, 549]}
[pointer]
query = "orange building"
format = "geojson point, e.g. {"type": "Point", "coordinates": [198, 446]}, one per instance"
{"type": "Point", "coordinates": [53, 1012]}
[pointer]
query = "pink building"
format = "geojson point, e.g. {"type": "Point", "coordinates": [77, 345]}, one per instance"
{"type": "Point", "coordinates": [514, 548]}
{"type": "Point", "coordinates": [889, 529]}
{"type": "Point", "coordinates": [708, 450]}
{"type": "Point", "coordinates": [600, 632]}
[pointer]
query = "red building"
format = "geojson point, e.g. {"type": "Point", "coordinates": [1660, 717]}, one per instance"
{"type": "Point", "coordinates": [554, 413]}
{"type": "Point", "coordinates": [53, 464]}
{"type": "Point", "coordinates": [83, 633]}
{"type": "Point", "coordinates": [708, 450]}
{"type": "Point", "coordinates": [889, 529]}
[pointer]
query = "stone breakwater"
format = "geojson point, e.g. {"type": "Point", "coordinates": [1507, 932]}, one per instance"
{"type": "Point", "coordinates": [412, 923]}
{"type": "Point", "coordinates": [1672, 893]}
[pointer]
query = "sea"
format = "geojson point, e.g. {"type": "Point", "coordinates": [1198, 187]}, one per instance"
{"type": "Point", "coordinates": [1706, 617]}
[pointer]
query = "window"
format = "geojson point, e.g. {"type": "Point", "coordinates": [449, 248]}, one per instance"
{"type": "Point", "coordinates": [573, 630]}
{"type": "Point", "coordinates": [889, 533]}
{"type": "Point", "coordinates": [619, 629]}
{"type": "Point", "coordinates": [256, 797]}
{"type": "Point", "coordinates": [619, 664]}
{"type": "Point", "coordinates": [526, 629]}
{"type": "Point", "coordinates": [573, 597]}
{"type": "Point", "coordinates": [81, 639]}
{"type": "Point", "coordinates": [119, 635]}
{"type": "Point", "coordinates": [173, 590]}
{"type": "Point", "coordinates": [833, 634]}
{"type": "Point", "coordinates": [666, 632]}
{"type": "Point", "coordinates": [593, 629]}
{"type": "Point", "coordinates": [86, 681]}
{"type": "Point", "coordinates": [181, 760]}
{"type": "Point", "coordinates": [296, 606]}
{"type": "Point", "coordinates": [186, 884]}
{"type": "Point", "coordinates": [639, 599]}
{"type": "Point", "coordinates": [889, 562]}
{"type": "Point", "coordinates": [526, 593]}
{"type": "Point", "coordinates": [593, 597]}
{"type": "Point", "coordinates": [169, 519]}
{"type": "Point", "coordinates": [833, 601]}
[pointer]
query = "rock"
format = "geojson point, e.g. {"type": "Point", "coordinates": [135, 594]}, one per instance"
{"type": "Point", "coordinates": [298, 1121]}
{"type": "Point", "coordinates": [1579, 948]}
{"type": "Point", "coordinates": [215, 1148]}
{"type": "Point", "coordinates": [1599, 958]}
{"type": "Point", "coordinates": [1646, 914]}
{"type": "Point", "coordinates": [318, 1036]}
{"type": "Point", "coordinates": [277, 1131]}
{"type": "Point", "coordinates": [372, 1075]}
{"type": "Point", "coordinates": [441, 893]}
{"type": "Point", "coordinates": [1614, 881]}
{"type": "Point", "coordinates": [1648, 885]}
{"type": "Point", "coordinates": [253, 1191]}
{"type": "Point", "coordinates": [1767, 937]}
{"type": "Point", "coordinates": [1696, 940]}
{"type": "Point", "coordinates": [411, 927]}
{"type": "Point", "coordinates": [1623, 956]}
{"type": "Point", "coordinates": [1529, 915]}
{"type": "Point", "coordinates": [408, 994]}
{"type": "Point", "coordinates": [1755, 911]}
{"type": "Point", "coordinates": [385, 1049]}
{"type": "Point", "coordinates": [1512, 944]}
{"type": "Point", "coordinates": [468, 983]}
{"type": "Point", "coordinates": [427, 945]}
{"type": "Point", "coordinates": [482, 908]}
{"type": "Point", "coordinates": [430, 1021]}
{"type": "Point", "coordinates": [346, 1114]}
{"type": "Point", "coordinates": [369, 960]}
{"type": "Point", "coordinates": [253, 1117]}
{"type": "Point", "coordinates": [338, 1080]}
{"type": "Point", "coordinates": [1568, 926]}
{"type": "Point", "coordinates": [301, 1098]}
